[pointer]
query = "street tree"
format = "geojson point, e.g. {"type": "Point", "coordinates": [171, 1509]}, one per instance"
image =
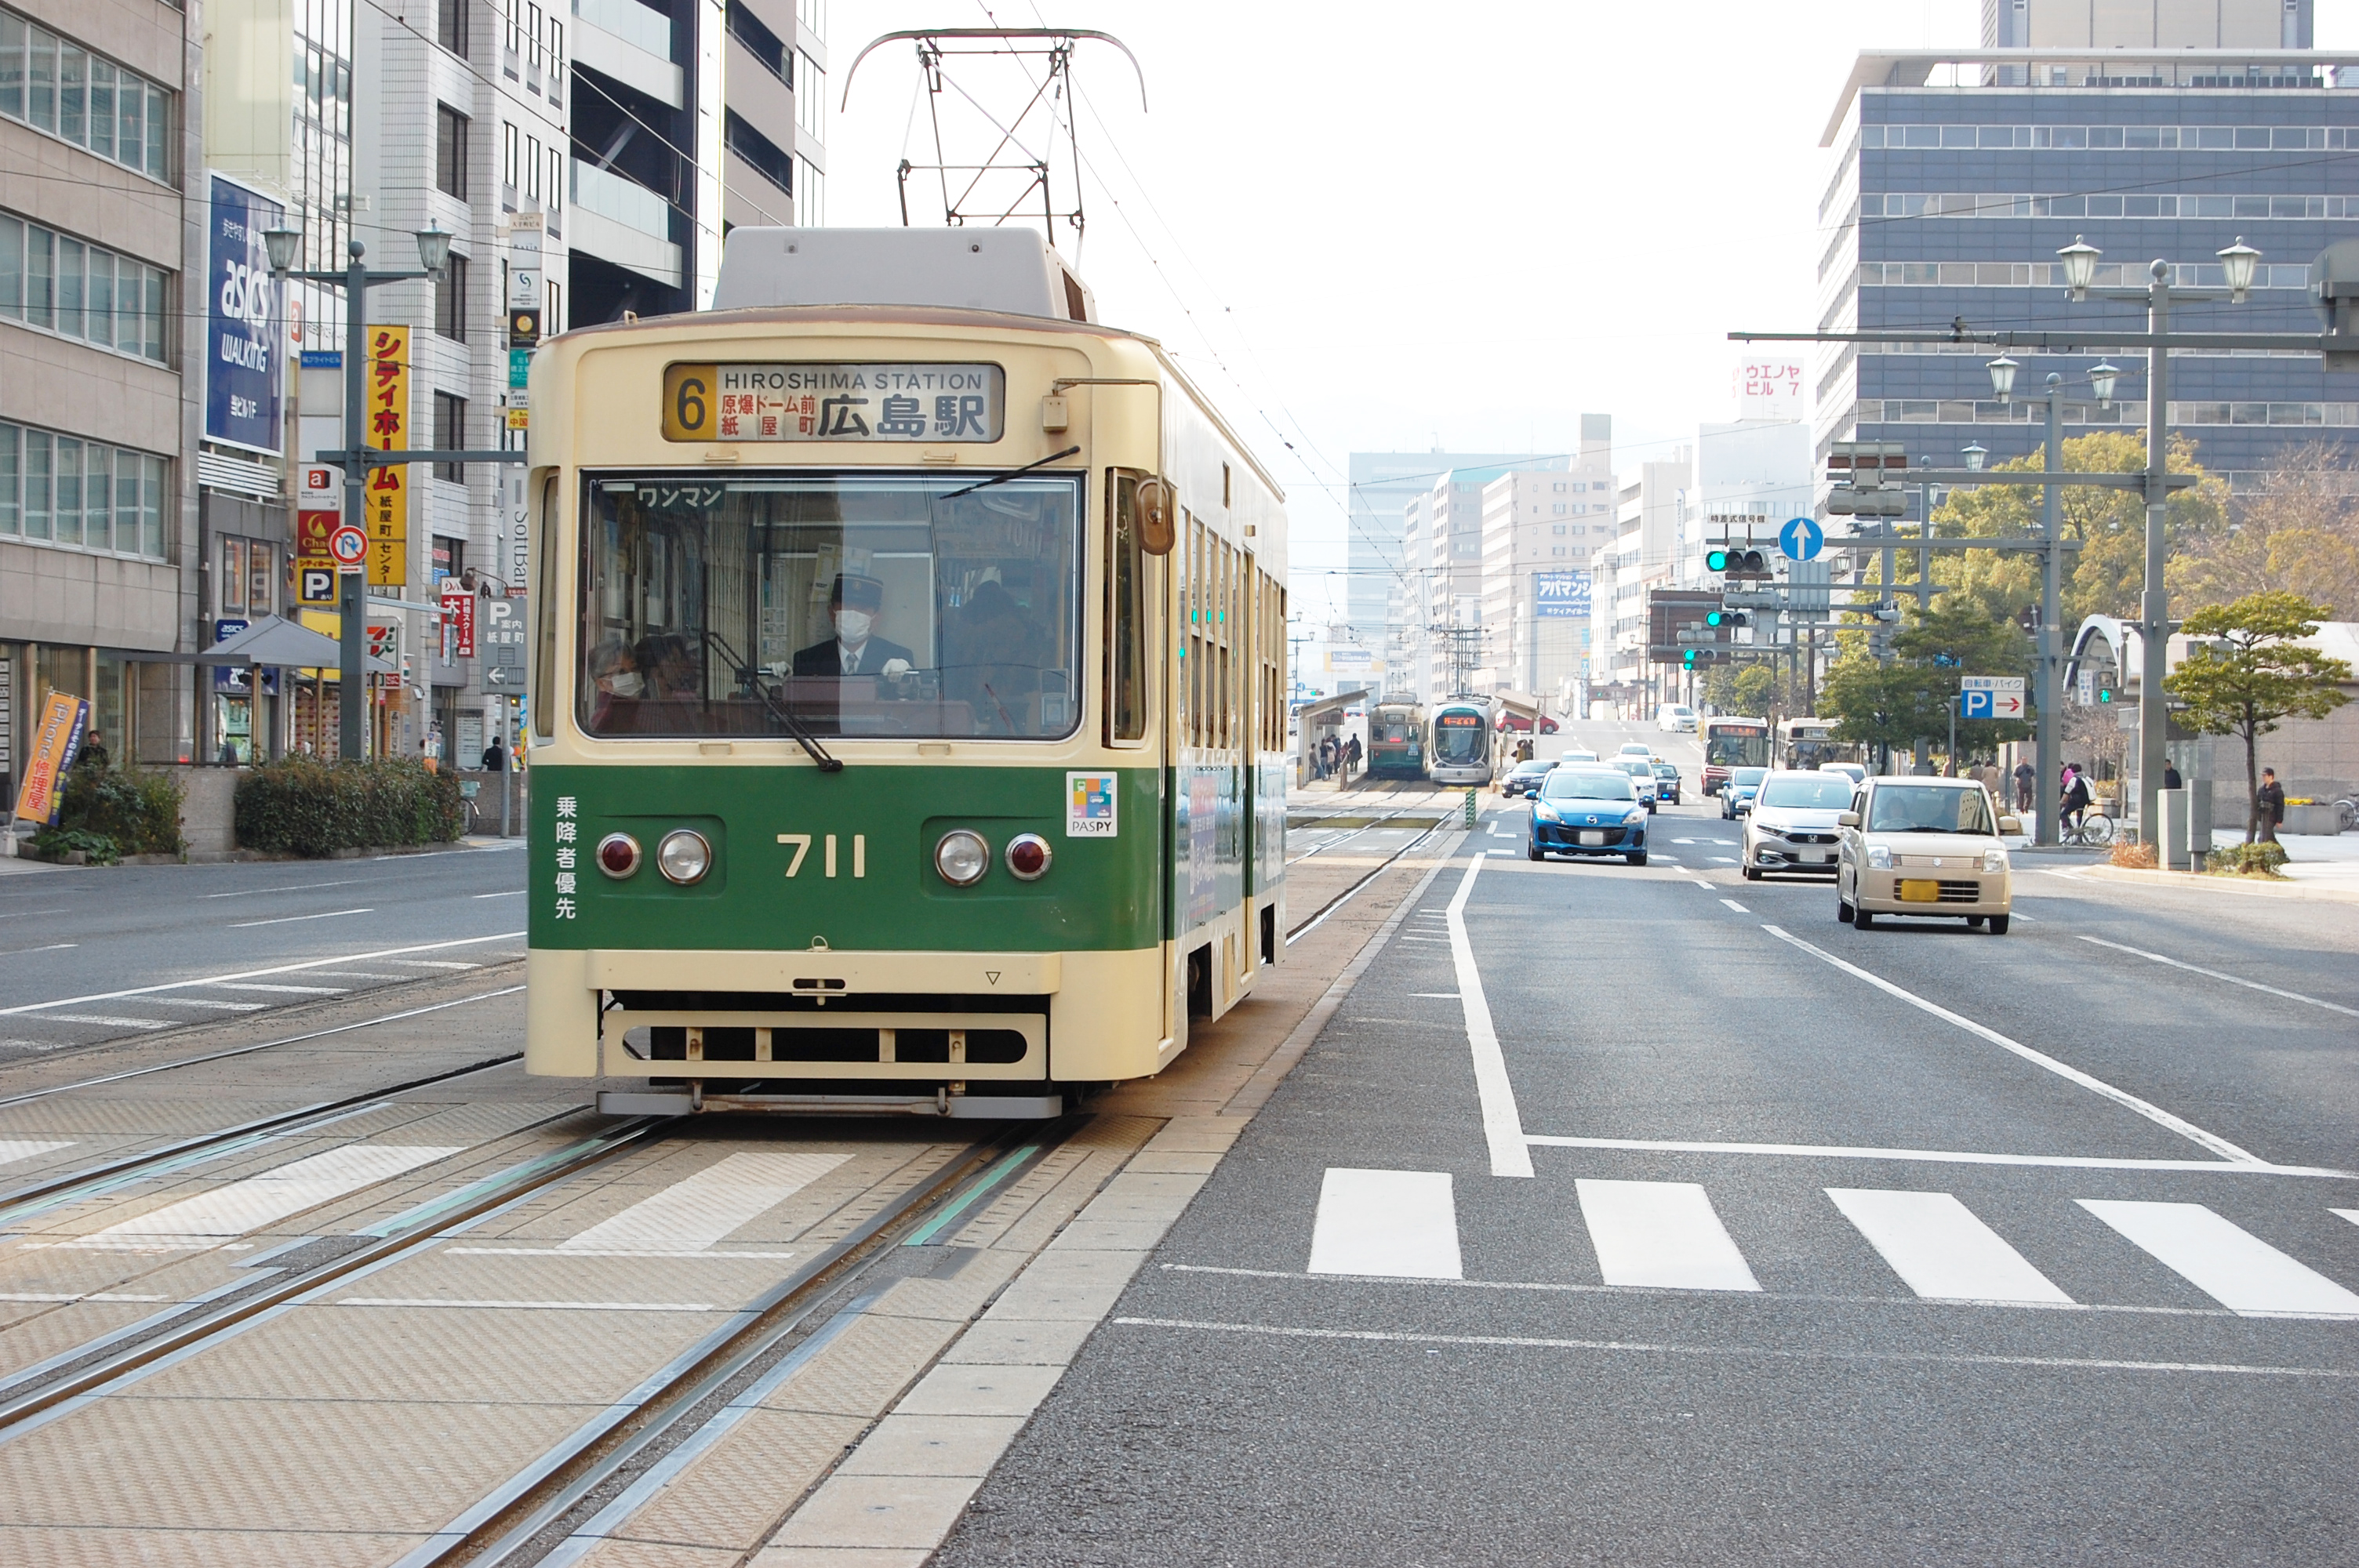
{"type": "Point", "coordinates": [2250, 669]}
{"type": "Point", "coordinates": [1903, 702]}
{"type": "Point", "coordinates": [1754, 689]}
{"type": "Point", "coordinates": [2296, 530]}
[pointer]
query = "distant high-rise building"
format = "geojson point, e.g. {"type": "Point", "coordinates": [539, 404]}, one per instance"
{"type": "Point", "coordinates": [2164, 130]}
{"type": "Point", "coordinates": [1380, 606]}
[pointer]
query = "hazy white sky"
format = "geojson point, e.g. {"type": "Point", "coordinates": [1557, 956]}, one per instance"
{"type": "Point", "coordinates": [1388, 226]}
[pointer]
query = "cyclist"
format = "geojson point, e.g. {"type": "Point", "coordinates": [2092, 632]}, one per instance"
{"type": "Point", "coordinates": [2076, 800]}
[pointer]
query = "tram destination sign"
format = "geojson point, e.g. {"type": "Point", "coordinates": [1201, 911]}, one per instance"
{"type": "Point", "coordinates": [835, 401]}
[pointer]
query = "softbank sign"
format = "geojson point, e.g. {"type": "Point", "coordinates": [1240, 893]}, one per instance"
{"type": "Point", "coordinates": [241, 382]}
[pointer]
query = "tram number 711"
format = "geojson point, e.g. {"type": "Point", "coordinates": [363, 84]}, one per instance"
{"type": "Point", "coordinates": [802, 843]}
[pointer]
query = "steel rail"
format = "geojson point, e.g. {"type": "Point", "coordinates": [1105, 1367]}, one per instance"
{"type": "Point", "coordinates": [1332, 904]}
{"type": "Point", "coordinates": [686, 1396]}
{"type": "Point", "coordinates": [220, 1318]}
{"type": "Point", "coordinates": [1355, 832]}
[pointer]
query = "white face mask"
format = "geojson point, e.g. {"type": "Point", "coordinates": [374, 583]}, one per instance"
{"type": "Point", "coordinates": [624, 682]}
{"type": "Point", "coordinates": [852, 626]}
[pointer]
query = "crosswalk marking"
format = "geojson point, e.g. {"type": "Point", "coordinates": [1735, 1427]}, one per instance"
{"type": "Point", "coordinates": [284, 990]}
{"type": "Point", "coordinates": [1662, 1233]}
{"type": "Point", "coordinates": [2230, 1264]}
{"type": "Point", "coordinates": [201, 1004]}
{"type": "Point", "coordinates": [691, 1215]}
{"type": "Point", "coordinates": [1403, 1224]}
{"type": "Point", "coordinates": [1941, 1250]}
{"type": "Point", "coordinates": [15, 1148]}
{"type": "Point", "coordinates": [257, 1201]}
{"type": "Point", "coordinates": [110, 1019]}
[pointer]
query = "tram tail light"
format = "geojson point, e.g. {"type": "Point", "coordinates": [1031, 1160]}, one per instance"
{"type": "Point", "coordinates": [683, 857]}
{"type": "Point", "coordinates": [961, 858]}
{"type": "Point", "coordinates": [1027, 856]}
{"type": "Point", "coordinates": [618, 855]}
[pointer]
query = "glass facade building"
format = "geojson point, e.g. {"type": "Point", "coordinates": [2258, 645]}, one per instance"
{"type": "Point", "coordinates": [1949, 202]}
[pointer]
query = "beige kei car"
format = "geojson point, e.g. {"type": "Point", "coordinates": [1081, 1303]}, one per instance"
{"type": "Point", "coordinates": [1923, 846]}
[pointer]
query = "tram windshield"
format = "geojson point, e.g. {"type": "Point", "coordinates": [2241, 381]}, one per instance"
{"type": "Point", "coordinates": [889, 605]}
{"type": "Point", "coordinates": [1460, 740]}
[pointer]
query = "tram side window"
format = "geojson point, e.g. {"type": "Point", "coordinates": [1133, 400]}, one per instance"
{"type": "Point", "coordinates": [1125, 703]}
{"type": "Point", "coordinates": [836, 604]}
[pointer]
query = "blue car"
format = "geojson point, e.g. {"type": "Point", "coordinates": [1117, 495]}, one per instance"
{"type": "Point", "coordinates": [1736, 794]}
{"type": "Point", "coordinates": [1589, 811]}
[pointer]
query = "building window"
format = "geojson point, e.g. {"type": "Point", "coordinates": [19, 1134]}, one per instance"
{"type": "Point", "coordinates": [767, 156]}
{"type": "Point", "coordinates": [811, 100]}
{"type": "Point", "coordinates": [64, 89]}
{"type": "Point", "coordinates": [1559, 528]}
{"type": "Point", "coordinates": [81, 493]}
{"type": "Point", "coordinates": [810, 195]}
{"type": "Point", "coordinates": [449, 434]}
{"type": "Point", "coordinates": [761, 43]}
{"type": "Point", "coordinates": [62, 285]}
{"type": "Point", "coordinates": [557, 179]}
{"type": "Point", "coordinates": [511, 148]}
{"type": "Point", "coordinates": [532, 170]}
{"type": "Point", "coordinates": [451, 300]}
{"type": "Point", "coordinates": [450, 151]}
{"type": "Point", "coordinates": [451, 25]}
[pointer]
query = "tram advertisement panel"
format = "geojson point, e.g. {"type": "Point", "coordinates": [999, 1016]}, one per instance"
{"type": "Point", "coordinates": [842, 402]}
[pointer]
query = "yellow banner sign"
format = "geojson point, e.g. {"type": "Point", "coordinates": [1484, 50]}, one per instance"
{"type": "Point", "coordinates": [385, 510]}
{"type": "Point", "coordinates": [55, 741]}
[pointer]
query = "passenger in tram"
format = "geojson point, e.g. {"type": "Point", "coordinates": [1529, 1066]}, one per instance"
{"type": "Point", "coordinates": [856, 605]}
{"type": "Point", "coordinates": [668, 665]}
{"type": "Point", "coordinates": [615, 674]}
{"type": "Point", "coordinates": [993, 655]}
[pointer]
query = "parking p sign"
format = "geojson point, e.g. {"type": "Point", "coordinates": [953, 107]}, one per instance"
{"type": "Point", "coordinates": [1990, 697]}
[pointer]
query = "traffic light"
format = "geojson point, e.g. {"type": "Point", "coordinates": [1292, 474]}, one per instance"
{"type": "Point", "coordinates": [1724, 618]}
{"type": "Point", "coordinates": [1736, 560]}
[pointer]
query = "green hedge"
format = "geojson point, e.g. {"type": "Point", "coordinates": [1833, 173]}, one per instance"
{"type": "Point", "coordinates": [135, 813]}
{"type": "Point", "coordinates": [2261, 860]}
{"type": "Point", "coordinates": [304, 806]}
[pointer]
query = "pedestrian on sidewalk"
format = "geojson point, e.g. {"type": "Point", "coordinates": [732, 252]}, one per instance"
{"type": "Point", "coordinates": [2271, 804]}
{"type": "Point", "coordinates": [2171, 779]}
{"type": "Point", "coordinates": [2024, 780]}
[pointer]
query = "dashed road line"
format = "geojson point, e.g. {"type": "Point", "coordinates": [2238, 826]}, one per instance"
{"type": "Point", "coordinates": [291, 919]}
{"type": "Point", "coordinates": [2216, 975]}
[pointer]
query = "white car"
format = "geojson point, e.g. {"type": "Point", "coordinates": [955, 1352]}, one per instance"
{"type": "Point", "coordinates": [1635, 749]}
{"type": "Point", "coordinates": [1576, 754]}
{"type": "Point", "coordinates": [1642, 776]}
{"type": "Point", "coordinates": [1676, 716]}
{"type": "Point", "coordinates": [1855, 772]}
{"type": "Point", "coordinates": [1792, 826]}
{"type": "Point", "coordinates": [1924, 846]}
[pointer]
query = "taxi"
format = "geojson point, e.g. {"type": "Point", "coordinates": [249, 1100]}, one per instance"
{"type": "Point", "coordinates": [1917, 846]}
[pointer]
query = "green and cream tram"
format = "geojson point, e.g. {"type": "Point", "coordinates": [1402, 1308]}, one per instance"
{"type": "Point", "coordinates": [907, 723]}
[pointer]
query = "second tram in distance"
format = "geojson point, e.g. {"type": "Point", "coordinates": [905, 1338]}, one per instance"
{"type": "Point", "coordinates": [1396, 740]}
{"type": "Point", "coordinates": [1458, 741]}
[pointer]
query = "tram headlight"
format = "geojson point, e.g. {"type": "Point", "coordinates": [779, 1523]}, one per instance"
{"type": "Point", "coordinates": [961, 858]}
{"type": "Point", "coordinates": [618, 855]}
{"type": "Point", "coordinates": [683, 857]}
{"type": "Point", "coordinates": [1027, 856]}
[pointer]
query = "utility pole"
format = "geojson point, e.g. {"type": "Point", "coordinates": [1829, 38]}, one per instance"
{"type": "Point", "coordinates": [2050, 781]}
{"type": "Point", "coordinates": [2154, 628]}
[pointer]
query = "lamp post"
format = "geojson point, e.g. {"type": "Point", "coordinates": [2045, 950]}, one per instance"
{"type": "Point", "coordinates": [351, 593]}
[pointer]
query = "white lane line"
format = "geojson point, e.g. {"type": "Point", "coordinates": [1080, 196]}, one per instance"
{"type": "Point", "coordinates": [1921, 1357]}
{"type": "Point", "coordinates": [512, 892]}
{"type": "Point", "coordinates": [387, 952]}
{"type": "Point", "coordinates": [693, 1214]}
{"type": "Point", "coordinates": [2232, 979]}
{"type": "Point", "coordinates": [1501, 1125]}
{"type": "Point", "coordinates": [282, 990]}
{"type": "Point", "coordinates": [291, 919]}
{"type": "Point", "coordinates": [15, 1148]}
{"type": "Point", "coordinates": [1941, 1251]}
{"type": "Point", "coordinates": [65, 1298]}
{"type": "Point", "coordinates": [432, 963]}
{"type": "Point", "coordinates": [1698, 882]}
{"type": "Point", "coordinates": [2226, 1262]}
{"type": "Point", "coordinates": [523, 1306]}
{"type": "Point", "coordinates": [1934, 1156]}
{"type": "Point", "coordinates": [202, 1002]}
{"type": "Point", "coordinates": [45, 948]}
{"type": "Point", "coordinates": [2122, 1098]}
{"type": "Point", "coordinates": [110, 1021]}
{"type": "Point", "coordinates": [1737, 906]}
{"type": "Point", "coordinates": [2350, 1214]}
{"type": "Point", "coordinates": [359, 975]}
{"type": "Point", "coordinates": [298, 887]}
{"type": "Point", "coordinates": [1437, 996]}
{"type": "Point", "coordinates": [248, 1205]}
{"type": "Point", "coordinates": [563, 1251]}
{"type": "Point", "coordinates": [1662, 1233]}
{"type": "Point", "coordinates": [29, 913]}
{"type": "Point", "coordinates": [1399, 1224]}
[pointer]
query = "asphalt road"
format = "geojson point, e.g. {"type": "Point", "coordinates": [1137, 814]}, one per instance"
{"type": "Point", "coordinates": [90, 954]}
{"type": "Point", "coordinates": [2013, 1249]}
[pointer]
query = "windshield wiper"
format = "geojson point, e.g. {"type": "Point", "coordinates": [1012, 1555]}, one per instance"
{"type": "Point", "coordinates": [749, 676]}
{"type": "Point", "coordinates": [1012, 474]}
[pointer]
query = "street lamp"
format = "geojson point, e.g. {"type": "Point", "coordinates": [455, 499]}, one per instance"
{"type": "Point", "coordinates": [2102, 376]}
{"type": "Point", "coordinates": [282, 244]}
{"type": "Point", "coordinates": [2002, 373]}
{"type": "Point", "coordinates": [2080, 267]}
{"type": "Point", "coordinates": [1974, 452]}
{"type": "Point", "coordinates": [434, 251]}
{"type": "Point", "coordinates": [2239, 260]}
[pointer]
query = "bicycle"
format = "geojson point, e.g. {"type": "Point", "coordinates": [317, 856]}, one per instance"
{"type": "Point", "coordinates": [2094, 832]}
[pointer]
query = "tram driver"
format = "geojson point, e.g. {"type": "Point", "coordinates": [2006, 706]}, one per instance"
{"type": "Point", "coordinates": [856, 604]}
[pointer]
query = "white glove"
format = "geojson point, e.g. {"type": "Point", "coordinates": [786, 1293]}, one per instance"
{"type": "Point", "coordinates": [895, 669]}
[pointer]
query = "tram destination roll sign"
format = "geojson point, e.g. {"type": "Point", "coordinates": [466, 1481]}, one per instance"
{"type": "Point", "coordinates": [835, 401]}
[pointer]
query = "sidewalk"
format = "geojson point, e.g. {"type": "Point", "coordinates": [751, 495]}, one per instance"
{"type": "Point", "coordinates": [2317, 866]}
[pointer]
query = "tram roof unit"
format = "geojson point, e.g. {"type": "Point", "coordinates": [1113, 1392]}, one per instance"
{"type": "Point", "coordinates": [1011, 271]}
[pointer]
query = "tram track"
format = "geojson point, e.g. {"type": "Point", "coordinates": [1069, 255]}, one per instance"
{"type": "Point", "coordinates": [561, 1506]}
{"type": "Point", "coordinates": [1298, 932]}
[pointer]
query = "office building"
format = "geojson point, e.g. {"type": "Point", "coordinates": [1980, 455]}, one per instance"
{"type": "Point", "coordinates": [1544, 533]}
{"type": "Point", "coordinates": [2164, 131]}
{"type": "Point", "coordinates": [104, 313]}
{"type": "Point", "coordinates": [1653, 515]}
{"type": "Point", "coordinates": [1384, 610]}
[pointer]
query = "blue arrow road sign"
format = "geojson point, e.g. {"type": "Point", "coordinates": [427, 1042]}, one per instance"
{"type": "Point", "coordinates": [1800, 539]}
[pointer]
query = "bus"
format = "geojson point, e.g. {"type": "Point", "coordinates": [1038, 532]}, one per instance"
{"type": "Point", "coordinates": [908, 674]}
{"type": "Point", "coordinates": [1458, 742]}
{"type": "Point", "coordinates": [1804, 743]}
{"type": "Point", "coordinates": [1731, 743]}
{"type": "Point", "coordinates": [1396, 740]}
